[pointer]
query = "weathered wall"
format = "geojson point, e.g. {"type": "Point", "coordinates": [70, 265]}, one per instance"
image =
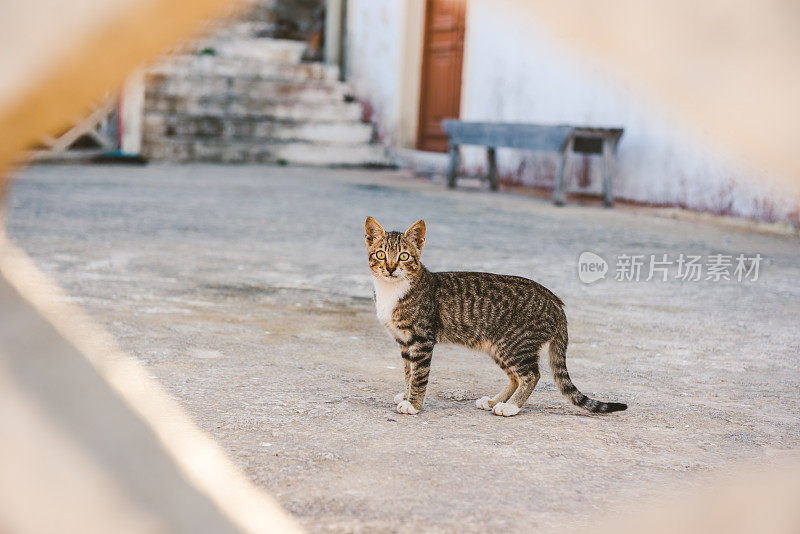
{"type": "Point", "coordinates": [515, 70]}
{"type": "Point", "coordinates": [375, 44]}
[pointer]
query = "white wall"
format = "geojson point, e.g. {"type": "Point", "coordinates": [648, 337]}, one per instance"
{"type": "Point", "coordinates": [514, 70]}
{"type": "Point", "coordinates": [374, 60]}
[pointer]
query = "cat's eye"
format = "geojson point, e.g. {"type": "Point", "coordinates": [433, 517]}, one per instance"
{"type": "Point", "coordinates": [381, 255]}
{"type": "Point", "coordinates": [404, 256]}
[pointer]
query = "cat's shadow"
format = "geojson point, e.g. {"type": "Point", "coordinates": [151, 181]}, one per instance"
{"type": "Point", "coordinates": [558, 410]}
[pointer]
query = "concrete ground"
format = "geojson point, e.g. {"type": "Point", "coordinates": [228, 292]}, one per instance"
{"type": "Point", "coordinates": [245, 290]}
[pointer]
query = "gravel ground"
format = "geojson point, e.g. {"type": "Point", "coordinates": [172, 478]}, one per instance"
{"type": "Point", "coordinates": [245, 291]}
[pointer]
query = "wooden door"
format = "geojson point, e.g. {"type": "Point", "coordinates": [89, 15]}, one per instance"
{"type": "Point", "coordinates": [442, 55]}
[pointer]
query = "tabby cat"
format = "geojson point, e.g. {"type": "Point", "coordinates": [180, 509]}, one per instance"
{"type": "Point", "coordinates": [508, 317]}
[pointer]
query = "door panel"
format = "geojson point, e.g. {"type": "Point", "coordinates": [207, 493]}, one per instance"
{"type": "Point", "coordinates": [443, 50]}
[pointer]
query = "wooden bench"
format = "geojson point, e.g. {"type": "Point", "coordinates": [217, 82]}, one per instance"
{"type": "Point", "coordinates": [558, 138]}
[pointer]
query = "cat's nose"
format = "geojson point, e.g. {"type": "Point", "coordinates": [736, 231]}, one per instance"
{"type": "Point", "coordinates": [391, 269]}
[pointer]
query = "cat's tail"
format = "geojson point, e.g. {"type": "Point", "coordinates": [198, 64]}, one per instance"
{"type": "Point", "coordinates": [558, 363]}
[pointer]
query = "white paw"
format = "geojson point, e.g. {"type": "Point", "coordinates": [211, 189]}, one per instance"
{"type": "Point", "coordinates": [406, 407]}
{"type": "Point", "coordinates": [506, 409]}
{"type": "Point", "coordinates": [400, 397]}
{"type": "Point", "coordinates": [483, 403]}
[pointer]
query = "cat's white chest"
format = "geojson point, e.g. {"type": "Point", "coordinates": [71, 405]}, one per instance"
{"type": "Point", "coordinates": [387, 295]}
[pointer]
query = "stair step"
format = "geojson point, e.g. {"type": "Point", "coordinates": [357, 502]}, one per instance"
{"type": "Point", "coordinates": [193, 65]}
{"type": "Point", "coordinates": [255, 128]}
{"type": "Point", "coordinates": [246, 106]}
{"type": "Point", "coordinates": [249, 99]}
{"type": "Point", "coordinates": [262, 49]}
{"type": "Point", "coordinates": [227, 151]}
{"type": "Point", "coordinates": [253, 87]}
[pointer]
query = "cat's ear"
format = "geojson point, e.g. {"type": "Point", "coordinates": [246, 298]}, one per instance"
{"type": "Point", "coordinates": [416, 234]}
{"type": "Point", "coordinates": [372, 231]}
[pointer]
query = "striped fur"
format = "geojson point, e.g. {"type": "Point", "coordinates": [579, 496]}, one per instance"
{"type": "Point", "coordinates": [508, 317]}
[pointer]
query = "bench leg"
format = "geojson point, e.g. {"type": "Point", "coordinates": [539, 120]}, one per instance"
{"type": "Point", "coordinates": [609, 157]}
{"type": "Point", "coordinates": [561, 173]}
{"type": "Point", "coordinates": [453, 171]}
{"type": "Point", "coordinates": [491, 155]}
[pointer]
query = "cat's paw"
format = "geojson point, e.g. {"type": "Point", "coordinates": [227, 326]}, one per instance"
{"type": "Point", "coordinates": [400, 397]}
{"type": "Point", "coordinates": [483, 403]}
{"type": "Point", "coordinates": [407, 408]}
{"type": "Point", "coordinates": [506, 409]}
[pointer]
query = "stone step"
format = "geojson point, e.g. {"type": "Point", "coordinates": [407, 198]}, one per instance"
{"type": "Point", "coordinates": [255, 128]}
{"type": "Point", "coordinates": [227, 151]}
{"type": "Point", "coordinates": [194, 65]}
{"type": "Point", "coordinates": [198, 86]}
{"type": "Point", "coordinates": [262, 49]}
{"type": "Point", "coordinates": [249, 100]}
{"type": "Point", "coordinates": [246, 106]}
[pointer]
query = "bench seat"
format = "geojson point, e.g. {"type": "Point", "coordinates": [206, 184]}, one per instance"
{"type": "Point", "coordinates": [562, 138]}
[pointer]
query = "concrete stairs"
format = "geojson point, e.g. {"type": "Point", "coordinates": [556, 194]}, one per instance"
{"type": "Point", "coordinates": [252, 100]}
